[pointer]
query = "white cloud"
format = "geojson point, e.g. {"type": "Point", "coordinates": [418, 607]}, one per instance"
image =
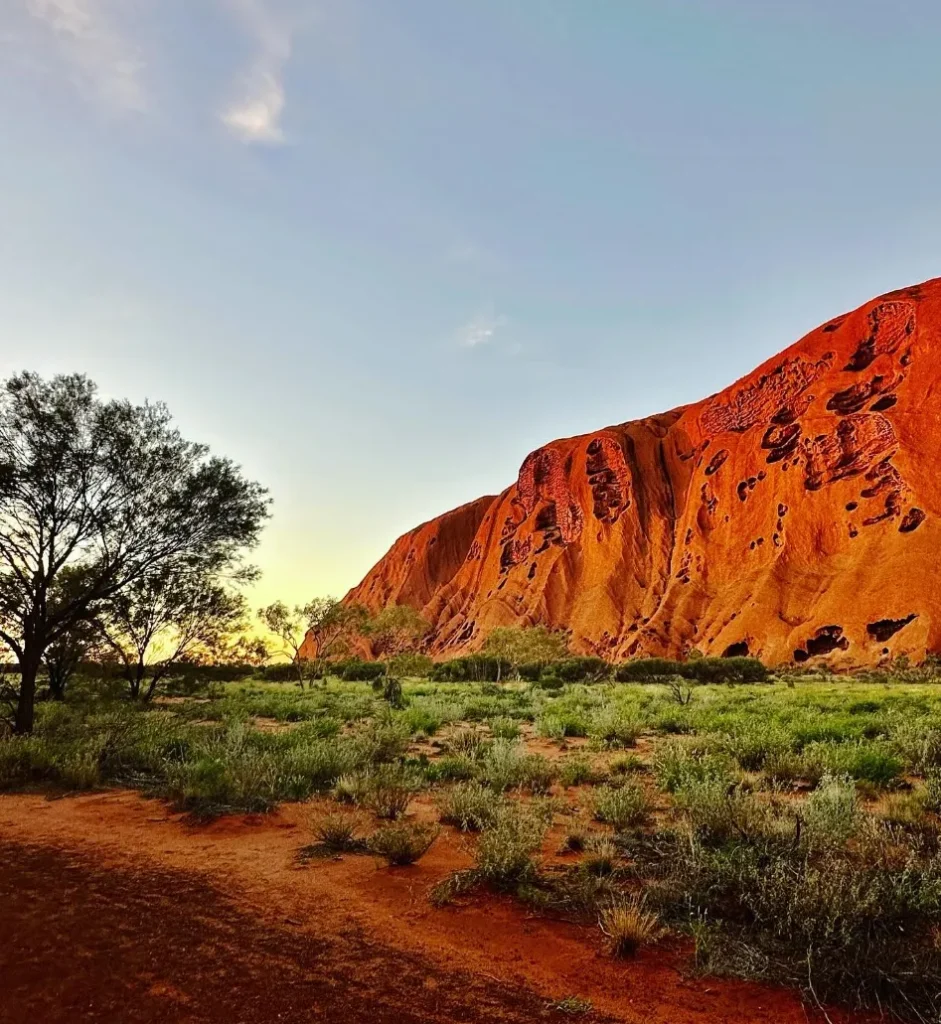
{"type": "Point", "coordinates": [481, 329]}
{"type": "Point", "coordinates": [254, 115]}
{"type": "Point", "coordinates": [102, 60]}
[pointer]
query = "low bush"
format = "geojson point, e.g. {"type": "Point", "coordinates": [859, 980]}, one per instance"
{"type": "Point", "coordinates": [402, 843]}
{"type": "Point", "coordinates": [579, 771]}
{"type": "Point", "coordinates": [355, 670]}
{"type": "Point", "coordinates": [506, 848]}
{"type": "Point", "coordinates": [621, 806]}
{"type": "Point", "coordinates": [648, 670]}
{"type": "Point", "coordinates": [627, 926]}
{"type": "Point", "coordinates": [337, 832]}
{"type": "Point", "coordinates": [470, 807]}
{"type": "Point", "coordinates": [579, 670]}
{"type": "Point", "coordinates": [390, 788]}
{"type": "Point", "coordinates": [614, 727]}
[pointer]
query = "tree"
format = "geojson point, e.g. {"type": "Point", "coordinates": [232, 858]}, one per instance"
{"type": "Point", "coordinates": [395, 630]}
{"type": "Point", "coordinates": [67, 652]}
{"type": "Point", "coordinates": [521, 645]}
{"type": "Point", "coordinates": [165, 618]}
{"type": "Point", "coordinates": [94, 496]}
{"type": "Point", "coordinates": [322, 628]}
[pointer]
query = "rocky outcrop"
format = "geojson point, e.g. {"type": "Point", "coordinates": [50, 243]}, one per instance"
{"type": "Point", "coordinates": [793, 516]}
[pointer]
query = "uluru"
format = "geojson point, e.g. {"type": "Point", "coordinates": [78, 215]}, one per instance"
{"type": "Point", "coordinates": [792, 517]}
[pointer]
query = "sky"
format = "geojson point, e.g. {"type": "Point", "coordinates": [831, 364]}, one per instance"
{"type": "Point", "coordinates": [376, 251]}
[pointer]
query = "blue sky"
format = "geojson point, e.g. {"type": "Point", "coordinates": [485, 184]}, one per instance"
{"type": "Point", "coordinates": [378, 250]}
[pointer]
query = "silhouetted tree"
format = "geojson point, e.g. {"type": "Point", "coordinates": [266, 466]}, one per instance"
{"type": "Point", "coordinates": [327, 624]}
{"type": "Point", "coordinates": [165, 618]}
{"type": "Point", "coordinates": [94, 496]}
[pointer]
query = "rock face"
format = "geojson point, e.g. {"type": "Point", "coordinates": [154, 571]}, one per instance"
{"type": "Point", "coordinates": [793, 516]}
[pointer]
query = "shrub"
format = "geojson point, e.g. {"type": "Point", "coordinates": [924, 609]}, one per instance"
{"type": "Point", "coordinates": [621, 806]}
{"type": "Point", "coordinates": [831, 813]}
{"type": "Point", "coordinates": [506, 765]}
{"type": "Point", "coordinates": [467, 743]}
{"type": "Point", "coordinates": [390, 789]}
{"type": "Point", "coordinates": [580, 670]}
{"type": "Point", "coordinates": [412, 666]}
{"type": "Point", "coordinates": [601, 856]}
{"type": "Point", "coordinates": [338, 832]}
{"type": "Point", "coordinates": [560, 723]}
{"type": "Point", "coordinates": [471, 807]}
{"type": "Point", "coordinates": [504, 728]}
{"type": "Point", "coordinates": [717, 812]}
{"type": "Point", "coordinates": [351, 789]}
{"type": "Point", "coordinates": [579, 771]}
{"type": "Point", "coordinates": [677, 765]}
{"type": "Point", "coordinates": [933, 790]}
{"type": "Point", "coordinates": [402, 843]}
{"type": "Point", "coordinates": [648, 670]}
{"type": "Point", "coordinates": [725, 670]}
{"type": "Point", "coordinates": [627, 926]}
{"type": "Point", "coordinates": [614, 727]}
{"type": "Point", "coordinates": [505, 850]}
{"type": "Point", "coordinates": [451, 769]}
{"type": "Point", "coordinates": [357, 671]}
{"type": "Point", "coordinates": [473, 669]}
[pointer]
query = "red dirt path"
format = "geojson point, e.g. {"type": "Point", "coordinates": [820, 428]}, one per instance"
{"type": "Point", "coordinates": [115, 909]}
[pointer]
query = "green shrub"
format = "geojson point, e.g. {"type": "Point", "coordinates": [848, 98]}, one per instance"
{"type": "Point", "coordinates": [390, 788]}
{"type": "Point", "coordinates": [470, 807]}
{"type": "Point", "coordinates": [472, 669]}
{"type": "Point", "coordinates": [505, 850]}
{"type": "Point", "coordinates": [831, 813]}
{"type": "Point", "coordinates": [355, 670]}
{"type": "Point", "coordinates": [648, 670]}
{"type": "Point", "coordinates": [614, 727]}
{"type": "Point", "coordinates": [579, 670]}
{"type": "Point", "coordinates": [717, 812]}
{"type": "Point", "coordinates": [579, 771]}
{"type": "Point", "coordinates": [338, 832]}
{"type": "Point", "coordinates": [560, 723]}
{"type": "Point", "coordinates": [506, 765]}
{"type": "Point", "coordinates": [676, 765]}
{"type": "Point", "coordinates": [453, 768]}
{"type": "Point", "coordinates": [621, 806]}
{"type": "Point", "coordinates": [504, 728]}
{"type": "Point", "coordinates": [411, 666]}
{"type": "Point", "coordinates": [402, 843]}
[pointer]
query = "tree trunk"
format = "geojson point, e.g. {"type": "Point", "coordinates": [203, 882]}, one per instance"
{"type": "Point", "coordinates": [56, 684]}
{"type": "Point", "coordinates": [26, 704]}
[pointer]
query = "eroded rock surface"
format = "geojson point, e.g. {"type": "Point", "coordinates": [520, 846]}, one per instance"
{"type": "Point", "coordinates": [793, 516]}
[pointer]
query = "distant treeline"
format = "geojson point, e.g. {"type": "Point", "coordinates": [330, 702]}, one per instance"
{"type": "Point", "coordinates": [474, 668]}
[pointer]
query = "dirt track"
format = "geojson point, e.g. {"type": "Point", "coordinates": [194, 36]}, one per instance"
{"type": "Point", "coordinates": [115, 910]}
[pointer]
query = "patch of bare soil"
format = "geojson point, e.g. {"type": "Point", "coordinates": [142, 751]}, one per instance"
{"type": "Point", "coordinates": [115, 909]}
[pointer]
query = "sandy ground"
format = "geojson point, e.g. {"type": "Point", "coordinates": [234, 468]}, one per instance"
{"type": "Point", "coordinates": [114, 909]}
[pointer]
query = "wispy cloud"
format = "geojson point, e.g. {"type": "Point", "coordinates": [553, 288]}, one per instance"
{"type": "Point", "coordinates": [481, 329]}
{"type": "Point", "coordinates": [102, 60]}
{"type": "Point", "coordinates": [254, 115]}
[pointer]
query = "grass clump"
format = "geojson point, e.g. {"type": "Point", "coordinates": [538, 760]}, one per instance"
{"type": "Point", "coordinates": [628, 925]}
{"type": "Point", "coordinates": [621, 806]}
{"type": "Point", "coordinates": [403, 842]}
{"type": "Point", "coordinates": [470, 807]}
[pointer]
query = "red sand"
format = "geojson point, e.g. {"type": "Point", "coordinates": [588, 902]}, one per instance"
{"type": "Point", "coordinates": [791, 516]}
{"type": "Point", "coordinates": [114, 909]}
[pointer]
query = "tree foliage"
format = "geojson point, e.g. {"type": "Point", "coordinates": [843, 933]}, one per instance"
{"type": "Point", "coordinates": [520, 645]}
{"type": "Point", "coordinates": [325, 625]}
{"type": "Point", "coordinates": [96, 496]}
{"type": "Point", "coordinates": [164, 618]}
{"type": "Point", "coordinates": [395, 630]}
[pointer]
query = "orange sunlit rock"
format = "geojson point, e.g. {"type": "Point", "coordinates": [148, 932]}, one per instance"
{"type": "Point", "coordinates": [793, 516]}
